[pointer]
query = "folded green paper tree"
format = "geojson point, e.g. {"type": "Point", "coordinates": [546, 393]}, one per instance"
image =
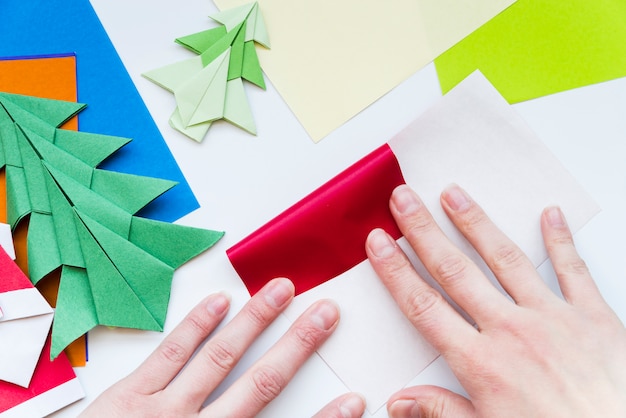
{"type": "Point", "coordinates": [116, 268]}
{"type": "Point", "coordinates": [210, 87]}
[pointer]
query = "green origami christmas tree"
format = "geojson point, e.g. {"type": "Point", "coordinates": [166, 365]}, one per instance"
{"type": "Point", "coordinates": [116, 268]}
{"type": "Point", "coordinates": [210, 87]}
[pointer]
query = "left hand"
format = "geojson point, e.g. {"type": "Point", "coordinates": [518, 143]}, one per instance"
{"type": "Point", "coordinates": [172, 383]}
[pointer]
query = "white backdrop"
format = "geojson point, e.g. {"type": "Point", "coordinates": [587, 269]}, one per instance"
{"type": "Point", "coordinates": [242, 181]}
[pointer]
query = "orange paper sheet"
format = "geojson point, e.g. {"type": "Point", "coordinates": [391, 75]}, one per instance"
{"type": "Point", "coordinates": [52, 77]}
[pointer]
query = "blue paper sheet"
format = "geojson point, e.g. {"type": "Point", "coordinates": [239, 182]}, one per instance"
{"type": "Point", "coordinates": [39, 27]}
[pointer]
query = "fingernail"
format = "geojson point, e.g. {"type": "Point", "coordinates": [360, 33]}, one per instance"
{"type": "Point", "coordinates": [325, 315]}
{"type": "Point", "coordinates": [456, 198]}
{"type": "Point", "coordinates": [278, 292]}
{"type": "Point", "coordinates": [405, 200]}
{"type": "Point", "coordinates": [352, 406]}
{"type": "Point", "coordinates": [218, 304]}
{"type": "Point", "coordinates": [381, 244]}
{"type": "Point", "coordinates": [404, 408]}
{"type": "Point", "coordinates": [555, 217]}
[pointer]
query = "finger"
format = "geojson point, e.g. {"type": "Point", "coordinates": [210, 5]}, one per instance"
{"type": "Point", "coordinates": [160, 368]}
{"type": "Point", "coordinates": [512, 268]}
{"type": "Point", "coordinates": [576, 283]}
{"type": "Point", "coordinates": [461, 279]}
{"type": "Point", "coordinates": [269, 375]}
{"type": "Point", "coordinates": [349, 405]}
{"type": "Point", "coordinates": [223, 350]}
{"type": "Point", "coordinates": [424, 306]}
{"type": "Point", "coordinates": [429, 402]}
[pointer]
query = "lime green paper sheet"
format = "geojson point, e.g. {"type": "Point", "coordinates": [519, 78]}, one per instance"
{"type": "Point", "coordinates": [210, 87]}
{"type": "Point", "coordinates": [539, 47]}
{"type": "Point", "coordinates": [116, 268]}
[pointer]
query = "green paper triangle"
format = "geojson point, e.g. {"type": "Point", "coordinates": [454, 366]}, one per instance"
{"type": "Point", "coordinates": [236, 109]}
{"type": "Point", "coordinates": [75, 313]}
{"type": "Point", "coordinates": [34, 173]}
{"type": "Point", "coordinates": [57, 157]}
{"type": "Point", "coordinates": [64, 226]}
{"type": "Point", "coordinates": [201, 99]}
{"type": "Point", "coordinates": [90, 148]}
{"type": "Point", "coordinates": [251, 69]}
{"type": "Point", "coordinates": [236, 54]}
{"type": "Point", "coordinates": [196, 132]}
{"type": "Point", "coordinates": [87, 201]}
{"type": "Point", "coordinates": [172, 76]}
{"type": "Point", "coordinates": [201, 41]}
{"type": "Point", "coordinates": [7, 127]}
{"type": "Point", "coordinates": [260, 34]}
{"type": "Point", "coordinates": [10, 144]}
{"type": "Point", "coordinates": [251, 20]}
{"type": "Point", "coordinates": [23, 118]}
{"type": "Point", "coordinates": [128, 191]}
{"type": "Point", "coordinates": [143, 276]}
{"type": "Point", "coordinates": [43, 251]}
{"type": "Point", "coordinates": [219, 47]}
{"type": "Point", "coordinates": [18, 201]}
{"type": "Point", "coordinates": [173, 244]}
{"type": "Point", "coordinates": [233, 17]}
{"type": "Point", "coordinates": [116, 303]}
{"type": "Point", "coordinates": [53, 112]}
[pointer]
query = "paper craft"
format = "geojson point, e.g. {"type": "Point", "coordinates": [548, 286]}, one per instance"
{"type": "Point", "coordinates": [115, 107]}
{"type": "Point", "coordinates": [24, 326]}
{"type": "Point", "coordinates": [540, 47]}
{"type": "Point", "coordinates": [53, 386]}
{"type": "Point", "coordinates": [116, 268]}
{"type": "Point", "coordinates": [329, 61]}
{"type": "Point", "coordinates": [471, 137]}
{"type": "Point", "coordinates": [51, 77]}
{"type": "Point", "coordinates": [210, 87]}
{"type": "Point", "coordinates": [30, 384]}
{"type": "Point", "coordinates": [366, 185]}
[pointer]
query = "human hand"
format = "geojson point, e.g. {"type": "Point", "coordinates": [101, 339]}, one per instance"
{"type": "Point", "coordinates": [539, 356]}
{"type": "Point", "coordinates": [157, 389]}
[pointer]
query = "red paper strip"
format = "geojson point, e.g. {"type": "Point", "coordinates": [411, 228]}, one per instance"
{"type": "Point", "coordinates": [324, 234]}
{"type": "Point", "coordinates": [11, 277]}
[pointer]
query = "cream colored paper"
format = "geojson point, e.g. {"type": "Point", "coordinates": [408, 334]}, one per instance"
{"type": "Point", "coordinates": [331, 59]}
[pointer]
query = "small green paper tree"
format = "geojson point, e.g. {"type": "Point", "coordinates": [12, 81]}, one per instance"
{"type": "Point", "coordinates": [116, 268]}
{"type": "Point", "coordinates": [210, 86]}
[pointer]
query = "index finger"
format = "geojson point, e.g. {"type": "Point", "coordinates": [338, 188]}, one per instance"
{"type": "Point", "coordinates": [160, 368]}
{"type": "Point", "coordinates": [459, 277]}
{"type": "Point", "coordinates": [424, 306]}
{"type": "Point", "coordinates": [266, 379]}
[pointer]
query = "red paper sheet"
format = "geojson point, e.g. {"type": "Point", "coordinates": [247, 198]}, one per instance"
{"type": "Point", "coordinates": [324, 234]}
{"type": "Point", "coordinates": [53, 384]}
{"type": "Point", "coordinates": [48, 376]}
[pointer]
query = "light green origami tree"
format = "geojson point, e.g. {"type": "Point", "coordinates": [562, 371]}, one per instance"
{"type": "Point", "coordinates": [210, 87]}
{"type": "Point", "coordinates": [116, 268]}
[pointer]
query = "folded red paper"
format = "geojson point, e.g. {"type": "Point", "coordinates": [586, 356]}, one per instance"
{"type": "Point", "coordinates": [324, 234]}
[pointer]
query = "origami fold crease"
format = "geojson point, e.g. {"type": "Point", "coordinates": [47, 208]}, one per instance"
{"type": "Point", "coordinates": [116, 268]}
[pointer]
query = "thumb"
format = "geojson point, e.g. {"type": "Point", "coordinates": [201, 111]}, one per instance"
{"type": "Point", "coordinates": [429, 402]}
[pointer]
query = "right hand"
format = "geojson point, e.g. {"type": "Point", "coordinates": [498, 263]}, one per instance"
{"type": "Point", "coordinates": [535, 356]}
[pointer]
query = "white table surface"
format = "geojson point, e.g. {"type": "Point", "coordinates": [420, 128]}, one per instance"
{"type": "Point", "coordinates": [242, 181]}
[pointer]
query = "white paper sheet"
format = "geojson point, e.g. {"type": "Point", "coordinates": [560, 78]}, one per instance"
{"type": "Point", "coordinates": [472, 137]}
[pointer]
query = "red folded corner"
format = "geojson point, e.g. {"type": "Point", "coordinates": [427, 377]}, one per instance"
{"type": "Point", "coordinates": [324, 234]}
